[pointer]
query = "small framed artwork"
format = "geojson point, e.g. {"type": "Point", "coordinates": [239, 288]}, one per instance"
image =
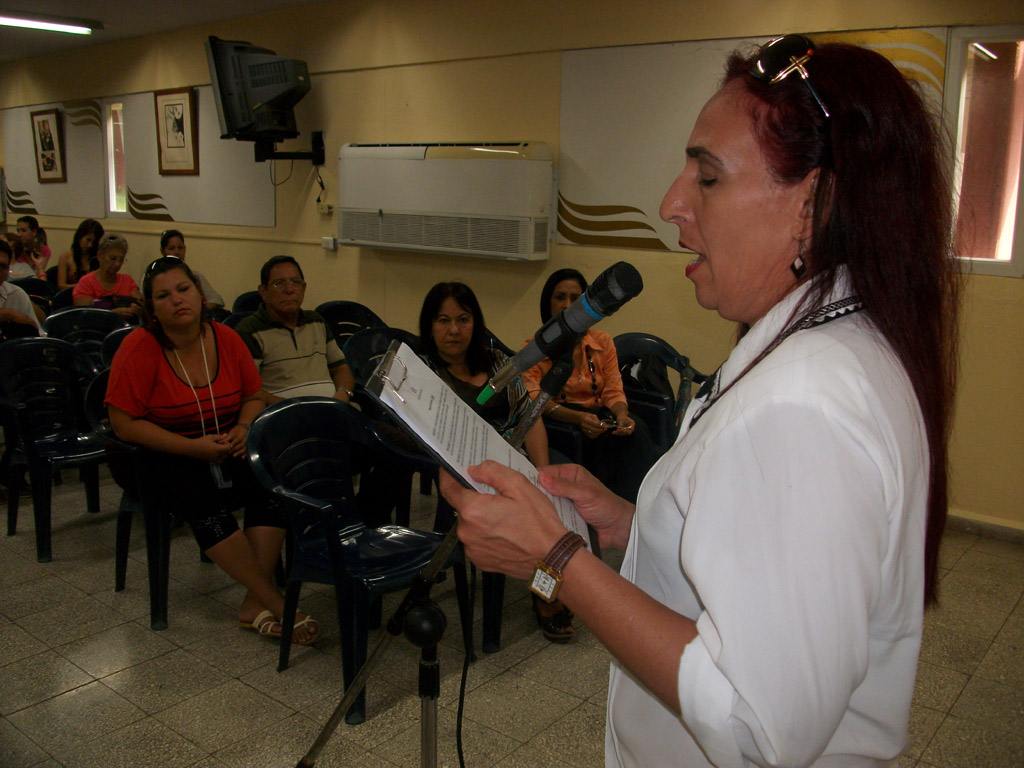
{"type": "Point", "coordinates": [49, 142]}
{"type": "Point", "coordinates": [177, 132]}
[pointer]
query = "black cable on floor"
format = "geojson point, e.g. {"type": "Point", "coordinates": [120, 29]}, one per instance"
{"type": "Point", "coordinates": [465, 672]}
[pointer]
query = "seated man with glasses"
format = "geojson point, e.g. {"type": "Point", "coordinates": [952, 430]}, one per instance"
{"type": "Point", "coordinates": [293, 348]}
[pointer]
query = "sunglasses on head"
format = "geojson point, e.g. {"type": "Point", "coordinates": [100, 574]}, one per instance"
{"type": "Point", "coordinates": [171, 260]}
{"type": "Point", "coordinates": [781, 57]}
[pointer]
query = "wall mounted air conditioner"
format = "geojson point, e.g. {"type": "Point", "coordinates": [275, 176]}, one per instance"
{"type": "Point", "coordinates": [491, 200]}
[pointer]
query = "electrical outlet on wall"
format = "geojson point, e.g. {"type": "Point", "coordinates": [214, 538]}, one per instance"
{"type": "Point", "coordinates": [325, 208]}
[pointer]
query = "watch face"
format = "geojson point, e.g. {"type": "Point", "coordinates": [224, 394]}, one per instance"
{"type": "Point", "coordinates": [544, 584]}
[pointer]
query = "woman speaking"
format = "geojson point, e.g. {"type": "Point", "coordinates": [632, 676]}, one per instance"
{"type": "Point", "coordinates": [780, 555]}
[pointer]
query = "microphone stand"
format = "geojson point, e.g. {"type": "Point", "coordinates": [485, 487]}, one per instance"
{"type": "Point", "coordinates": [421, 619]}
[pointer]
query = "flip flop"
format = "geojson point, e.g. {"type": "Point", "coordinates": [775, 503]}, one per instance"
{"type": "Point", "coordinates": [306, 622]}
{"type": "Point", "coordinates": [264, 624]}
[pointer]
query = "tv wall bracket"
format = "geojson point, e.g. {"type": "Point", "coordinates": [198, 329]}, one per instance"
{"type": "Point", "coordinates": [265, 151]}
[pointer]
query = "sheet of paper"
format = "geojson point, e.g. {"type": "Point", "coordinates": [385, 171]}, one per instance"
{"type": "Point", "coordinates": [452, 430]}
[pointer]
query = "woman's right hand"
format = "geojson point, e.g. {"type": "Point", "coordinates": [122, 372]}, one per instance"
{"type": "Point", "coordinates": [215, 448]}
{"type": "Point", "coordinates": [590, 424]}
{"type": "Point", "coordinates": [610, 515]}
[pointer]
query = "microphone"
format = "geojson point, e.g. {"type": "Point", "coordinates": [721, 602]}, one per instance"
{"type": "Point", "coordinates": [609, 291]}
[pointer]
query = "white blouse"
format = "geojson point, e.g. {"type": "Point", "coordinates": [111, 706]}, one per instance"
{"type": "Point", "coordinates": [789, 523]}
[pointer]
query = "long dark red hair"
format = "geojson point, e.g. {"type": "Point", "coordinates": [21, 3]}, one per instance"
{"type": "Point", "coordinates": [882, 208]}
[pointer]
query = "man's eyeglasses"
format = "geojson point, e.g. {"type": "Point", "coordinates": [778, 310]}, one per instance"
{"type": "Point", "coordinates": [781, 57]}
{"type": "Point", "coordinates": [280, 283]}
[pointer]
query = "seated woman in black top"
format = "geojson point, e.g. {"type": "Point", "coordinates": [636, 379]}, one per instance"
{"type": "Point", "coordinates": [453, 343]}
{"type": "Point", "coordinates": [452, 340]}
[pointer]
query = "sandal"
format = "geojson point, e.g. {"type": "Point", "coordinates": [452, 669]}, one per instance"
{"type": "Point", "coordinates": [308, 622]}
{"type": "Point", "coordinates": [264, 624]}
{"type": "Point", "coordinates": [557, 627]}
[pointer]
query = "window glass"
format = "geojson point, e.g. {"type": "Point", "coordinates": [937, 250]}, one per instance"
{"type": "Point", "coordinates": [989, 99]}
{"type": "Point", "coordinates": [117, 188]}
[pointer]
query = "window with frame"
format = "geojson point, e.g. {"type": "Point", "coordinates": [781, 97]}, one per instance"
{"type": "Point", "coordinates": [984, 105]}
{"type": "Point", "coordinates": [117, 186]}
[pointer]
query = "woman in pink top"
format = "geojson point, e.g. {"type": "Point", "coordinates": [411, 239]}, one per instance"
{"type": "Point", "coordinates": [106, 287]}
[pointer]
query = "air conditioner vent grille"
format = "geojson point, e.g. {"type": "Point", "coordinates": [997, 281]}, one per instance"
{"type": "Point", "coordinates": [466, 234]}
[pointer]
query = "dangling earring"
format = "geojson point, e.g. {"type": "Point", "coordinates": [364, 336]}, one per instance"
{"type": "Point", "coordinates": [799, 266]}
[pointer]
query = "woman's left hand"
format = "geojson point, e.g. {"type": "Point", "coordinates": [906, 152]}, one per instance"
{"type": "Point", "coordinates": [626, 425]}
{"type": "Point", "coordinates": [507, 532]}
{"type": "Point", "coordinates": [236, 440]}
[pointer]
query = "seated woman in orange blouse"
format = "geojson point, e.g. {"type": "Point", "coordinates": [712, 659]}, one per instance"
{"type": "Point", "coordinates": [618, 449]}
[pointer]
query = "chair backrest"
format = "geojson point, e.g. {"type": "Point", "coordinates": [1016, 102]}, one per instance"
{"type": "Point", "coordinates": [86, 328]}
{"type": "Point", "coordinates": [364, 349]}
{"type": "Point", "coordinates": [301, 450]}
{"type": "Point", "coordinates": [51, 276]}
{"type": "Point", "coordinates": [235, 318]}
{"type": "Point", "coordinates": [39, 291]}
{"type": "Point", "coordinates": [111, 342]}
{"type": "Point", "coordinates": [247, 302]}
{"type": "Point", "coordinates": [33, 286]}
{"type": "Point", "coordinates": [63, 299]}
{"type": "Point", "coordinates": [95, 410]}
{"type": "Point", "coordinates": [632, 348]}
{"type": "Point", "coordinates": [347, 317]}
{"type": "Point", "coordinates": [40, 376]}
{"type": "Point", "coordinates": [12, 330]}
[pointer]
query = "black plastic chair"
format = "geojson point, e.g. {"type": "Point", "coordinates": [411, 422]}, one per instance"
{"type": "Point", "coordinates": [302, 451]}
{"type": "Point", "coordinates": [51, 276]}
{"type": "Point", "coordinates": [85, 328]}
{"type": "Point", "coordinates": [495, 343]}
{"type": "Point", "coordinates": [39, 379]}
{"type": "Point", "coordinates": [111, 342]}
{"type": "Point", "coordinates": [662, 412]}
{"type": "Point", "coordinates": [130, 469]}
{"type": "Point", "coordinates": [63, 299]}
{"type": "Point", "coordinates": [40, 291]}
{"type": "Point", "coordinates": [345, 318]}
{"type": "Point", "coordinates": [363, 352]}
{"type": "Point", "coordinates": [249, 301]}
{"type": "Point", "coordinates": [121, 458]}
{"type": "Point", "coordinates": [235, 318]}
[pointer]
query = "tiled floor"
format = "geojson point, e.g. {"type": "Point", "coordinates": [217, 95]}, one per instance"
{"type": "Point", "coordinates": [85, 682]}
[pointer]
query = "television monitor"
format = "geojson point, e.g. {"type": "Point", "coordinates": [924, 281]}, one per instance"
{"type": "Point", "coordinates": [255, 90]}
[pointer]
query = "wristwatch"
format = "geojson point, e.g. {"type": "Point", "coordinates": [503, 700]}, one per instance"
{"type": "Point", "coordinates": [547, 574]}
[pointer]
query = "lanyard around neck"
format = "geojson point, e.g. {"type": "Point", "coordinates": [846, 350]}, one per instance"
{"type": "Point", "coordinates": [815, 317]}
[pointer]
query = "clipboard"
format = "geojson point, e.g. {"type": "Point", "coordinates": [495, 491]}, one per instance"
{"type": "Point", "coordinates": [450, 431]}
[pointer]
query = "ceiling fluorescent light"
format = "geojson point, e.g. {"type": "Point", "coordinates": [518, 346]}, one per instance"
{"type": "Point", "coordinates": [51, 24]}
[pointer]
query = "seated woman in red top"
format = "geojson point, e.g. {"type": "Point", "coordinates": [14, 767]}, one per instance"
{"type": "Point", "coordinates": [187, 390]}
{"type": "Point", "coordinates": [106, 287]}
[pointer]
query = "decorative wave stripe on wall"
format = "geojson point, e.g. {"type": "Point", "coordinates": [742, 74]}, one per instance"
{"type": "Point", "coordinates": [920, 55]}
{"type": "Point", "coordinates": [140, 207]}
{"type": "Point", "coordinates": [591, 225]}
{"type": "Point", "coordinates": [88, 112]}
{"type": "Point", "coordinates": [19, 201]}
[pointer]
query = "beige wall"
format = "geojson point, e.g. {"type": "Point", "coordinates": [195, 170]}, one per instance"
{"type": "Point", "coordinates": [456, 70]}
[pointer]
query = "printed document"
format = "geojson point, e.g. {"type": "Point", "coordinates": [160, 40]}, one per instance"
{"type": "Point", "coordinates": [450, 429]}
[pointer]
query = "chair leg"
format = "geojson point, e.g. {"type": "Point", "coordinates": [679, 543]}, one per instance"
{"type": "Point", "coordinates": [125, 513]}
{"type": "Point", "coordinates": [90, 475]}
{"type": "Point", "coordinates": [16, 480]}
{"type": "Point", "coordinates": [291, 605]}
{"type": "Point", "coordinates": [494, 598]}
{"type": "Point", "coordinates": [353, 620]}
{"type": "Point", "coordinates": [425, 484]}
{"type": "Point", "coordinates": [41, 477]}
{"type": "Point", "coordinates": [465, 607]}
{"type": "Point", "coordinates": [158, 559]}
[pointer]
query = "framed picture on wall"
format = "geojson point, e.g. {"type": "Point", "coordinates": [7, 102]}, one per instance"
{"type": "Point", "coordinates": [177, 132]}
{"type": "Point", "coordinates": [49, 143]}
